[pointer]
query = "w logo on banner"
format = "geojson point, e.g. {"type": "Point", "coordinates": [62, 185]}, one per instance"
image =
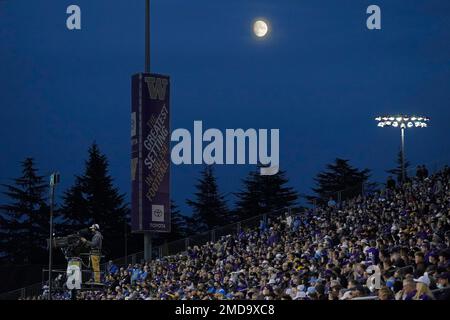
{"type": "Point", "coordinates": [156, 87]}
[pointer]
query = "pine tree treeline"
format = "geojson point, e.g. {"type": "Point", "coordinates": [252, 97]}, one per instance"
{"type": "Point", "coordinates": [340, 177]}
{"type": "Point", "coordinates": [179, 223]}
{"type": "Point", "coordinates": [397, 171]}
{"type": "Point", "coordinates": [264, 194]}
{"type": "Point", "coordinates": [209, 209]}
{"type": "Point", "coordinates": [94, 199]}
{"type": "Point", "coordinates": [261, 194]}
{"type": "Point", "coordinates": [24, 222]}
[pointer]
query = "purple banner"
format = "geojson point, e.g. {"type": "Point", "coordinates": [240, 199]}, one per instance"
{"type": "Point", "coordinates": [150, 153]}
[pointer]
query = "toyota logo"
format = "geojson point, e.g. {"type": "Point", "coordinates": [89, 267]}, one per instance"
{"type": "Point", "coordinates": [158, 212]}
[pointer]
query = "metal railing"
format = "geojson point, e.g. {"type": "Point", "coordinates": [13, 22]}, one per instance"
{"type": "Point", "coordinates": [33, 290]}
{"type": "Point", "coordinates": [166, 249]}
{"type": "Point", "coordinates": [181, 245]}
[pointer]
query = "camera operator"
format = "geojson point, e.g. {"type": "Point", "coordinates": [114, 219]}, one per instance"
{"type": "Point", "coordinates": [96, 247]}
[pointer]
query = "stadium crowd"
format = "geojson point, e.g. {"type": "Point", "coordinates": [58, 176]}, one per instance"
{"type": "Point", "coordinates": [392, 245]}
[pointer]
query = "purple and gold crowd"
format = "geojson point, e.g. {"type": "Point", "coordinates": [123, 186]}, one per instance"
{"type": "Point", "coordinates": [390, 245]}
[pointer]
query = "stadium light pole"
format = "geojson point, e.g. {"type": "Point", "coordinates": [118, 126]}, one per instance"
{"type": "Point", "coordinates": [54, 180]}
{"type": "Point", "coordinates": [403, 122]}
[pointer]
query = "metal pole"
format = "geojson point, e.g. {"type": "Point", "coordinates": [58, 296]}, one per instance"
{"type": "Point", "coordinates": [147, 235]}
{"type": "Point", "coordinates": [126, 241]}
{"type": "Point", "coordinates": [186, 243]}
{"type": "Point", "coordinates": [147, 246]}
{"type": "Point", "coordinates": [50, 247]}
{"type": "Point", "coordinates": [147, 36]}
{"type": "Point", "coordinates": [403, 154]}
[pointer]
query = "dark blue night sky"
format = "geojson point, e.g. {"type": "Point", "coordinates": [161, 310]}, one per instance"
{"type": "Point", "coordinates": [320, 77]}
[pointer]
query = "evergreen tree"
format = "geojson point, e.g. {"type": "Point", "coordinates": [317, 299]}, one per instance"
{"type": "Point", "coordinates": [94, 199]}
{"type": "Point", "coordinates": [192, 226]}
{"type": "Point", "coordinates": [209, 208]}
{"type": "Point", "coordinates": [339, 177]}
{"type": "Point", "coordinates": [25, 221]}
{"type": "Point", "coordinates": [397, 171]}
{"type": "Point", "coordinates": [264, 194]}
{"type": "Point", "coordinates": [74, 209]}
{"type": "Point", "coordinates": [179, 223]}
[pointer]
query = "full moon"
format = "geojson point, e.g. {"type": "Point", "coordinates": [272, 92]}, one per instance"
{"type": "Point", "coordinates": [260, 28]}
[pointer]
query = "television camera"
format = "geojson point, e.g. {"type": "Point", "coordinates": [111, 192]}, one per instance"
{"type": "Point", "coordinates": [71, 245]}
